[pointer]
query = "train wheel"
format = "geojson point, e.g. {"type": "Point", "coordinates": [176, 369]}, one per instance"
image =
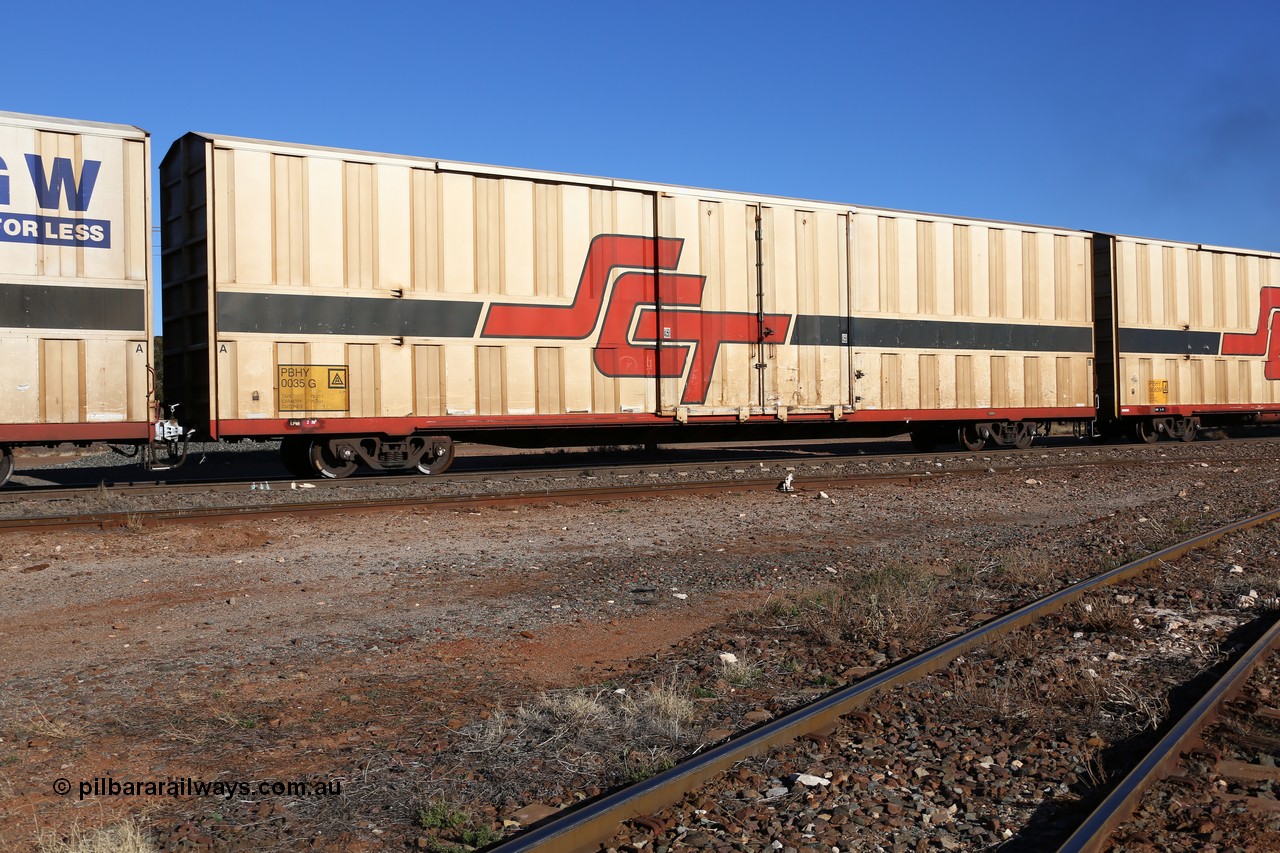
{"type": "Point", "coordinates": [1145, 431]}
{"type": "Point", "coordinates": [1023, 435]}
{"type": "Point", "coordinates": [327, 464]}
{"type": "Point", "coordinates": [6, 465]}
{"type": "Point", "coordinates": [969, 437]}
{"type": "Point", "coordinates": [294, 457]}
{"type": "Point", "coordinates": [1184, 429]}
{"type": "Point", "coordinates": [438, 458]}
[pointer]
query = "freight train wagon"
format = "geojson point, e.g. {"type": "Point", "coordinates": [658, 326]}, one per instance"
{"type": "Point", "coordinates": [1185, 336]}
{"type": "Point", "coordinates": [372, 309]}
{"type": "Point", "coordinates": [75, 284]}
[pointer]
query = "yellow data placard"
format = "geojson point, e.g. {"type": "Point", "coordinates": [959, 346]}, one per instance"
{"type": "Point", "coordinates": [313, 388]}
{"type": "Point", "coordinates": [1158, 391]}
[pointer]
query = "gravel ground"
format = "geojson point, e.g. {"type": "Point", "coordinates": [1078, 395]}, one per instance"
{"type": "Point", "coordinates": [457, 671]}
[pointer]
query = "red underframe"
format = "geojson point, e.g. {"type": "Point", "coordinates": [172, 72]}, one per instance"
{"type": "Point", "coordinates": [53, 433]}
{"type": "Point", "coordinates": [443, 425]}
{"type": "Point", "coordinates": [1185, 411]}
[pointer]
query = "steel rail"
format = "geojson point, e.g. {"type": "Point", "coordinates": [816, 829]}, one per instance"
{"type": "Point", "coordinates": [586, 826]}
{"type": "Point", "coordinates": [437, 502]}
{"type": "Point", "coordinates": [1004, 459]}
{"type": "Point", "coordinates": [1093, 834]}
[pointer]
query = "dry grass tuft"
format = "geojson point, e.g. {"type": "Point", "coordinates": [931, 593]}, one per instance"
{"type": "Point", "coordinates": [131, 836]}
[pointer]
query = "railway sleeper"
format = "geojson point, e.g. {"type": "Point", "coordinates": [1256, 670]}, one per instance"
{"type": "Point", "coordinates": [338, 457]}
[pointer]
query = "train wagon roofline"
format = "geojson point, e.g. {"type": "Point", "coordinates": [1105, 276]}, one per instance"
{"type": "Point", "coordinates": [445, 165]}
{"type": "Point", "coordinates": [1182, 244]}
{"type": "Point", "coordinates": [73, 125]}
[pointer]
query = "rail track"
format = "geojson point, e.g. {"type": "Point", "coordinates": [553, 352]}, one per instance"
{"type": "Point", "coordinates": [1184, 736]}
{"type": "Point", "coordinates": [594, 823]}
{"type": "Point", "coordinates": [222, 500]}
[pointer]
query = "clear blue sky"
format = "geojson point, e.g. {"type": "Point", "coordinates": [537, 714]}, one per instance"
{"type": "Point", "coordinates": [1152, 118]}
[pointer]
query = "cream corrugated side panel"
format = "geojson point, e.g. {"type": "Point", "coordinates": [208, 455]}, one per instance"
{"type": "Point", "coordinates": [361, 226]}
{"type": "Point", "coordinates": [906, 279]}
{"type": "Point", "coordinates": [981, 301]}
{"type": "Point", "coordinates": [1045, 270]}
{"type": "Point", "coordinates": [550, 380]}
{"type": "Point", "coordinates": [1209, 315]}
{"type": "Point", "coordinates": [864, 248]}
{"type": "Point", "coordinates": [460, 379]}
{"type": "Point", "coordinates": [20, 377]}
{"type": "Point", "coordinates": [521, 380]}
{"type": "Point", "coordinates": [138, 355]}
{"type": "Point", "coordinates": [289, 208]}
{"type": "Point", "coordinates": [575, 235]}
{"type": "Point", "coordinates": [53, 260]}
{"type": "Point", "coordinates": [888, 260]}
{"type": "Point", "coordinates": [679, 217]}
{"type": "Point", "coordinates": [326, 232]}
{"type": "Point", "coordinates": [117, 204]}
{"type": "Point", "coordinates": [251, 196]}
{"type": "Point", "coordinates": [987, 389]}
{"type": "Point", "coordinates": [394, 235]}
{"type": "Point", "coordinates": [891, 381]}
{"type": "Point", "coordinates": [518, 254]}
{"type": "Point", "coordinates": [1199, 307]}
{"type": "Point", "coordinates": [488, 247]}
{"type": "Point", "coordinates": [1157, 284]}
{"type": "Point", "coordinates": [490, 381]}
{"type": "Point", "coordinates": [1033, 382]}
{"type": "Point", "coordinates": [395, 380]}
{"type": "Point", "coordinates": [428, 265]}
{"type": "Point", "coordinates": [733, 252]}
{"type": "Point", "coordinates": [782, 376]}
{"type": "Point", "coordinates": [1126, 286]}
{"type": "Point", "coordinates": [1002, 392]}
{"type": "Point", "coordinates": [930, 398]}
{"type": "Point", "coordinates": [1177, 290]}
{"type": "Point", "coordinates": [1232, 284]}
{"type": "Point", "coordinates": [579, 370]}
{"type": "Point", "coordinates": [924, 294]}
{"type": "Point", "coordinates": [604, 393]}
{"type": "Point", "coordinates": [832, 387]}
{"type": "Point", "coordinates": [106, 380]}
{"type": "Point", "coordinates": [808, 300]}
{"type": "Point", "coordinates": [1014, 302]}
{"type": "Point", "coordinates": [456, 224]}
{"type": "Point", "coordinates": [256, 368]}
{"type": "Point", "coordinates": [1030, 276]}
{"type": "Point", "coordinates": [227, 404]}
{"type": "Point", "coordinates": [60, 381]}
{"type": "Point", "coordinates": [363, 375]}
{"type": "Point", "coordinates": [998, 303]}
{"type": "Point", "coordinates": [19, 258]}
{"type": "Point", "coordinates": [967, 395]}
{"type": "Point", "coordinates": [428, 381]}
{"type": "Point", "coordinates": [546, 240]}
{"type": "Point", "coordinates": [946, 273]}
{"type": "Point", "coordinates": [1064, 385]}
{"type": "Point", "coordinates": [707, 259]}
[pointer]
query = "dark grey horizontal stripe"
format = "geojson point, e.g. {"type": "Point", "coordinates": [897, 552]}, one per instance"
{"type": "Point", "coordinates": [1170, 341]}
{"type": "Point", "coordinates": [294, 314]}
{"type": "Point", "coordinates": [939, 334]}
{"type": "Point", "coordinates": [51, 306]}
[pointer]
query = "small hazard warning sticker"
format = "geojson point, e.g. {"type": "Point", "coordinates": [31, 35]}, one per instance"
{"type": "Point", "coordinates": [312, 387]}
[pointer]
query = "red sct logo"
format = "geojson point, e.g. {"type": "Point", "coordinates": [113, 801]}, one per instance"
{"type": "Point", "coordinates": [629, 334]}
{"type": "Point", "coordinates": [1266, 340]}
